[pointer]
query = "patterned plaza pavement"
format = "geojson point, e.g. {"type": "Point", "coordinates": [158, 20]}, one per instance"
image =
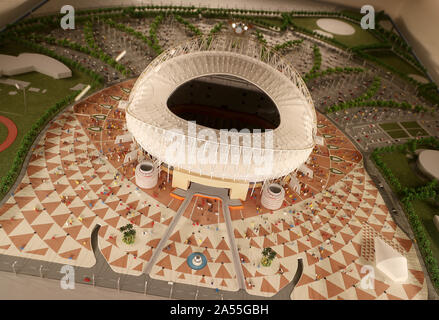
{"type": "Point", "coordinates": [76, 179]}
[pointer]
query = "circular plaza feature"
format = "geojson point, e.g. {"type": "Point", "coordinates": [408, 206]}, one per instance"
{"type": "Point", "coordinates": [172, 140]}
{"type": "Point", "coordinates": [428, 163]}
{"type": "Point", "coordinates": [197, 260]}
{"type": "Point", "coordinates": [336, 27]}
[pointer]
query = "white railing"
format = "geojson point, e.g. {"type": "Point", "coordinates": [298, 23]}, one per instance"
{"type": "Point", "coordinates": [235, 44]}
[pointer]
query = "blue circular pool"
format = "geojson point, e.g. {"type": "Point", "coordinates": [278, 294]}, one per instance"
{"type": "Point", "coordinates": [197, 260]}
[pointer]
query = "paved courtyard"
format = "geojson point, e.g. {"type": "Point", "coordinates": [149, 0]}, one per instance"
{"type": "Point", "coordinates": [77, 178]}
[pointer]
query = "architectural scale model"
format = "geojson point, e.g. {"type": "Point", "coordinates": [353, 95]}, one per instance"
{"type": "Point", "coordinates": [237, 150]}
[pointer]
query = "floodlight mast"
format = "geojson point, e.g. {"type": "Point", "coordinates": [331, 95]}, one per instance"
{"type": "Point", "coordinates": [24, 95]}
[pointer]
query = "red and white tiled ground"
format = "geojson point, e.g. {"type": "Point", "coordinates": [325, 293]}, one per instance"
{"type": "Point", "coordinates": [208, 237]}
{"type": "Point", "coordinates": [70, 187]}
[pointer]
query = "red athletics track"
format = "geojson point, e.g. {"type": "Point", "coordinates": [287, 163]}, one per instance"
{"type": "Point", "coordinates": [12, 132]}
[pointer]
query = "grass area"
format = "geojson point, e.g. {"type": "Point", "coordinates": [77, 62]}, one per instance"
{"type": "Point", "coordinates": [12, 106]}
{"type": "Point", "coordinates": [360, 37]}
{"type": "Point", "coordinates": [416, 132]}
{"type": "Point", "coordinates": [3, 132]}
{"type": "Point", "coordinates": [410, 125]}
{"type": "Point", "coordinates": [390, 126]}
{"type": "Point", "coordinates": [398, 163]}
{"type": "Point", "coordinates": [397, 134]}
{"type": "Point", "coordinates": [393, 60]}
{"type": "Point", "coordinates": [426, 210]}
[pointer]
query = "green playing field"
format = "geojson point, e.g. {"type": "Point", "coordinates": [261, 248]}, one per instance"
{"type": "Point", "coordinates": [410, 124]}
{"type": "Point", "coordinates": [390, 126]}
{"type": "Point", "coordinates": [397, 134]}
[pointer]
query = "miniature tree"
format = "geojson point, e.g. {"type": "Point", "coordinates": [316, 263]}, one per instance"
{"type": "Point", "coordinates": [268, 256]}
{"type": "Point", "coordinates": [129, 234]}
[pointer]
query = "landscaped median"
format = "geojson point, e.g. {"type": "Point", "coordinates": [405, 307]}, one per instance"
{"type": "Point", "coordinates": [188, 25]}
{"type": "Point", "coordinates": [288, 44]}
{"type": "Point", "coordinates": [419, 199]}
{"type": "Point", "coordinates": [376, 103]}
{"type": "Point", "coordinates": [365, 100]}
{"type": "Point", "coordinates": [371, 91]}
{"type": "Point", "coordinates": [317, 61]}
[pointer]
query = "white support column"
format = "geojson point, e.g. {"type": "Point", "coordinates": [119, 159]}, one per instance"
{"type": "Point", "coordinates": [253, 189]}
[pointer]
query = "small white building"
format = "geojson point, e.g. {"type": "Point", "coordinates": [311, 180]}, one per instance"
{"type": "Point", "coordinates": [390, 262]}
{"type": "Point", "coordinates": [28, 62]}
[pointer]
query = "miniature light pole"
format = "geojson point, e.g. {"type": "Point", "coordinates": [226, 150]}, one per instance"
{"type": "Point", "coordinates": [24, 95]}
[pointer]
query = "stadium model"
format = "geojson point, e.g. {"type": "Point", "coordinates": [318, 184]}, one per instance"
{"type": "Point", "coordinates": [171, 140]}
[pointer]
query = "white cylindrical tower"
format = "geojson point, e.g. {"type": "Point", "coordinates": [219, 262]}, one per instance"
{"type": "Point", "coordinates": [146, 175]}
{"type": "Point", "coordinates": [436, 221]}
{"type": "Point", "coordinates": [273, 196]}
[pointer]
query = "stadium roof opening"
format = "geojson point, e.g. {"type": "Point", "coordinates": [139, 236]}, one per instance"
{"type": "Point", "coordinates": [224, 102]}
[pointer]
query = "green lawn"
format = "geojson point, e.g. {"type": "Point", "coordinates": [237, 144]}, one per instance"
{"type": "Point", "coordinates": [3, 132]}
{"type": "Point", "coordinates": [390, 58]}
{"type": "Point", "coordinates": [397, 134]}
{"type": "Point", "coordinates": [360, 37]}
{"type": "Point", "coordinates": [426, 210]}
{"type": "Point", "coordinates": [410, 124]}
{"type": "Point", "coordinates": [398, 163]}
{"type": "Point", "coordinates": [417, 132]}
{"type": "Point", "coordinates": [390, 126]}
{"type": "Point", "coordinates": [12, 106]}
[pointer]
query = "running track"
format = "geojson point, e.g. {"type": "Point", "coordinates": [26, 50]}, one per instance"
{"type": "Point", "coordinates": [12, 132]}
